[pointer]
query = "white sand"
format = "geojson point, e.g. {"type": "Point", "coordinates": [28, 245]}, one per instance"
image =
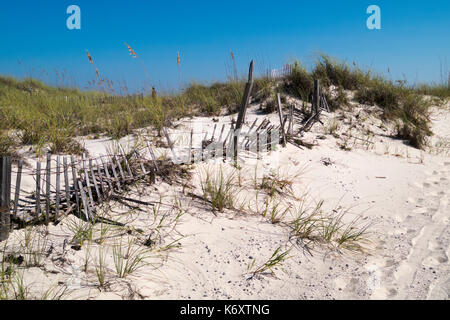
{"type": "Point", "coordinates": [401, 191]}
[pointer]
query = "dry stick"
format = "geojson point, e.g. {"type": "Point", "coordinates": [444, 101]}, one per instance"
{"type": "Point", "coordinates": [66, 181]}
{"type": "Point", "coordinates": [108, 177]}
{"type": "Point", "coordinates": [153, 157]}
{"type": "Point", "coordinates": [100, 176]}
{"type": "Point", "coordinates": [280, 113]}
{"type": "Point", "coordinates": [17, 193]}
{"type": "Point", "coordinates": [99, 196]}
{"type": "Point", "coordinates": [85, 202]}
{"type": "Point", "coordinates": [75, 183]}
{"type": "Point", "coordinates": [58, 186]}
{"type": "Point", "coordinates": [47, 189]}
{"type": "Point", "coordinates": [38, 188]}
{"type": "Point", "coordinates": [126, 161]}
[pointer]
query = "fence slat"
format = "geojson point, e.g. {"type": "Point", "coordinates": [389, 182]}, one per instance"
{"type": "Point", "coordinates": [153, 158]}
{"type": "Point", "coordinates": [140, 162]}
{"type": "Point", "coordinates": [38, 188]}
{"type": "Point", "coordinates": [214, 132]}
{"type": "Point", "coordinates": [280, 113]}
{"type": "Point", "coordinates": [99, 196]}
{"type": "Point", "coordinates": [243, 109]}
{"type": "Point", "coordinates": [115, 175]}
{"type": "Point", "coordinates": [126, 161]}
{"type": "Point", "coordinates": [108, 177]}
{"type": "Point", "coordinates": [75, 184]}
{"type": "Point", "coordinates": [18, 182]}
{"type": "Point", "coordinates": [58, 187]}
{"type": "Point", "coordinates": [47, 187]}
{"type": "Point", "coordinates": [5, 197]}
{"type": "Point", "coordinates": [190, 146]}
{"type": "Point", "coordinates": [119, 164]}
{"type": "Point", "coordinates": [175, 158]}
{"type": "Point", "coordinates": [66, 181]}
{"type": "Point", "coordinates": [85, 202]}
{"type": "Point", "coordinates": [100, 176]}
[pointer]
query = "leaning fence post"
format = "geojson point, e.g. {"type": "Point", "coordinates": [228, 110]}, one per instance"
{"type": "Point", "coordinates": [5, 197]}
{"type": "Point", "coordinates": [243, 109]}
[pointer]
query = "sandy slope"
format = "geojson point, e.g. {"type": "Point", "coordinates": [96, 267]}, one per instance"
{"type": "Point", "coordinates": [402, 192]}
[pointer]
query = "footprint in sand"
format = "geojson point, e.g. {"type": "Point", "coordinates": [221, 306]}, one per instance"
{"type": "Point", "coordinates": [429, 248]}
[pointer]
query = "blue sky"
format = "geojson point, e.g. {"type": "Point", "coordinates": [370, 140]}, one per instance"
{"type": "Point", "coordinates": [413, 42]}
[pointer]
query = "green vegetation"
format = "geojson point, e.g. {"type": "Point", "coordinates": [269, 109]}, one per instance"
{"type": "Point", "coordinates": [33, 113]}
{"type": "Point", "coordinates": [219, 188]}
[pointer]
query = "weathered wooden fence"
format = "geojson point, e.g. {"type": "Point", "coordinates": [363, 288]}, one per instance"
{"type": "Point", "coordinates": [70, 186]}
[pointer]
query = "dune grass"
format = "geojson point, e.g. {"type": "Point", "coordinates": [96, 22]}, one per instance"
{"type": "Point", "coordinates": [33, 113]}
